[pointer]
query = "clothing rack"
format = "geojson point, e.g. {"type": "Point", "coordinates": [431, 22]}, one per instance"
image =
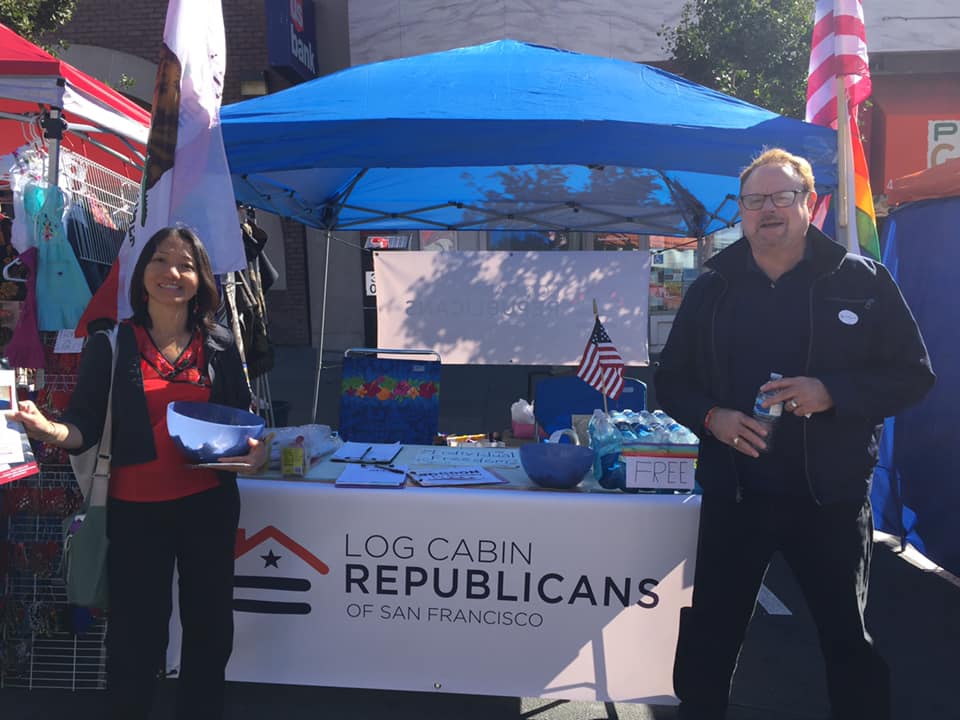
{"type": "Point", "coordinates": [109, 201]}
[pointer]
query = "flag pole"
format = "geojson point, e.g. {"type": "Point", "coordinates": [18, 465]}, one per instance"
{"type": "Point", "coordinates": [603, 378]}
{"type": "Point", "coordinates": [843, 165]}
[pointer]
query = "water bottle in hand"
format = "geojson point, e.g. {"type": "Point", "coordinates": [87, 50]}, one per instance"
{"type": "Point", "coordinates": [769, 416]}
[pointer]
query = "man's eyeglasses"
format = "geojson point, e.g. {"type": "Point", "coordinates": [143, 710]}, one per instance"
{"type": "Point", "coordinates": [782, 199]}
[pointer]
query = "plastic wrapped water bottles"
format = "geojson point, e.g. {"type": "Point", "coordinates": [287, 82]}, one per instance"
{"type": "Point", "coordinates": [607, 441]}
{"type": "Point", "coordinates": [610, 432]}
{"type": "Point", "coordinates": [675, 432]}
{"type": "Point", "coordinates": [622, 423]}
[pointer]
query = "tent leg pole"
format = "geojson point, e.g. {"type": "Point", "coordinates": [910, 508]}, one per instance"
{"type": "Point", "coordinates": [54, 133]}
{"type": "Point", "coordinates": [323, 322]}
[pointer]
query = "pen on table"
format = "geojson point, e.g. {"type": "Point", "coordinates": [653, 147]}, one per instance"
{"type": "Point", "coordinates": [388, 468]}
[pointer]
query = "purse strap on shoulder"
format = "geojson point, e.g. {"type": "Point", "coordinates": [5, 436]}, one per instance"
{"type": "Point", "coordinates": [101, 473]}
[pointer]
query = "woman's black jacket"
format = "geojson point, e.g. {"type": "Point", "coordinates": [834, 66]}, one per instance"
{"type": "Point", "coordinates": [132, 431]}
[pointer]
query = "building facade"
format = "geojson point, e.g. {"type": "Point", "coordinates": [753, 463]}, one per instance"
{"type": "Point", "coordinates": [914, 121]}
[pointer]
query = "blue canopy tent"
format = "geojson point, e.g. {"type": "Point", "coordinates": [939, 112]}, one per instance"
{"type": "Point", "coordinates": [506, 135]}
{"type": "Point", "coordinates": [916, 495]}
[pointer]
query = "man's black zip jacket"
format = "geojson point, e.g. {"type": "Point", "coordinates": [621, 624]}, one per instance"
{"type": "Point", "coordinates": [873, 368]}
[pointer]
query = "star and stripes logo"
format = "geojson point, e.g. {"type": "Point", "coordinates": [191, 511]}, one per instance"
{"type": "Point", "coordinates": [601, 366]}
{"type": "Point", "coordinates": [276, 593]}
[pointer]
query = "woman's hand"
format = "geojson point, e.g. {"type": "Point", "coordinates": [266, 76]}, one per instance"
{"type": "Point", "coordinates": [251, 463]}
{"type": "Point", "coordinates": [36, 424]}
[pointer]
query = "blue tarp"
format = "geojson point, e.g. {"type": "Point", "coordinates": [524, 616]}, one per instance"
{"type": "Point", "coordinates": [916, 491]}
{"type": "Point", "coordinates": [506, 135]}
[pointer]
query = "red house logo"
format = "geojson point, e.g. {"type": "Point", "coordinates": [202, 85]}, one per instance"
{"type": "Point", "coordinates": [277, 585]}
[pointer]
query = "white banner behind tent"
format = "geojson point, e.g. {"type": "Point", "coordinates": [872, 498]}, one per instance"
{"type": "Point", "coordinates": [530, 308]}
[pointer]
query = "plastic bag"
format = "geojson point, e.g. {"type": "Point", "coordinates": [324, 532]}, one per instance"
{"type": "Point", "coordinates": [522, 412]}
{"type": "Point", "coordinates": [316, 441]}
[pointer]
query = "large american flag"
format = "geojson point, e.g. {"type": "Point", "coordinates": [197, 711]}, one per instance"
{"type": "Point", "coordinates": [839, 48]}
{"type": "Point", "coordinates": [601, 365]}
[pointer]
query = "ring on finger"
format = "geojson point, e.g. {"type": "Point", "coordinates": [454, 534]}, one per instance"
{"type": "Point", "coordinates": [794, 404]}
{"type": "Point", "coordinates": [736, 440]}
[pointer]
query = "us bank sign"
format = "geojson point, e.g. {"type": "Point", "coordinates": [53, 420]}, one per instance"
{"type": "Point", "coordinates": [291, 38]}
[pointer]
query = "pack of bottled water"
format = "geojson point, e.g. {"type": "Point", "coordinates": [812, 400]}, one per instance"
{"type": "Point", "coordinates": [610, 432]}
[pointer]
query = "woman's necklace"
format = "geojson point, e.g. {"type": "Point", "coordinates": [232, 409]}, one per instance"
{"type": "Point", "coordinates": [172, 347]}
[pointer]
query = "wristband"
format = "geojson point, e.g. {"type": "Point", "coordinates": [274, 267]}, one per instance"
{"type": "Point", "coordinates": [707, 418]}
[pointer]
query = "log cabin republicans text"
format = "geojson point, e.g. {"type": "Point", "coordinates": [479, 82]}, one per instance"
{"type": "Point", "coordinates": [472, 581]}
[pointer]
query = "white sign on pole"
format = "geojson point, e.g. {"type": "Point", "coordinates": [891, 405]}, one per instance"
{"type": "Point", "coordinates": [532, 308]}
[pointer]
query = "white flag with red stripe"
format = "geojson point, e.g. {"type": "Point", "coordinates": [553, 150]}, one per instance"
{"type": "Point", "coordinates": [186, 178]}
{"type": "Point", "coordinates": [601, 366]}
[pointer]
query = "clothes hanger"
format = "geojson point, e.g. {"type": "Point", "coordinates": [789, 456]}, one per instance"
{"type": "Point", "coordinates": [6, 271]}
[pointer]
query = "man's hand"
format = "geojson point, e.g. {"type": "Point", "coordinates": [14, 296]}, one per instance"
{"type": "Point", "coordinates": [739, 431]}
{"type": "Point", "coordinates": [800, 395]}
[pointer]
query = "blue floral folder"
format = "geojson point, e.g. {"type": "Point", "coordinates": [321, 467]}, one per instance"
{"type": "Point", "coordinates": [385, 400]}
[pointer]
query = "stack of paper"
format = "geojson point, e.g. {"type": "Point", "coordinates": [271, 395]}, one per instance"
{"type": "Point", "coordinates": [362, 475]}
{"type": "Point", "coordinates": [438, 477]}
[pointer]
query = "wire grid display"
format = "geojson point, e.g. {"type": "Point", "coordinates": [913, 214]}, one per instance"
{"type": "Point", "coordinates": [110, 202]}
{"type": "Point", "coordinates": [45, 641]}
{"type": "Point", "coordinates": [40, 649]}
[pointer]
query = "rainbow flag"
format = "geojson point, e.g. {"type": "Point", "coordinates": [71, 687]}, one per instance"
{"type": "Point", "coordinates": [866, 216]}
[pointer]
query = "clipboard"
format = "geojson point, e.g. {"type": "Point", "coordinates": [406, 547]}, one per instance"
{"type": "Point", "coordinates": [359, 452]}
{"type": "Point", "coordinates": [372, 476]}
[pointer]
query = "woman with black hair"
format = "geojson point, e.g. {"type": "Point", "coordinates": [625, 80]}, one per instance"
{"type": "Point", "coordinates": [161, 513]}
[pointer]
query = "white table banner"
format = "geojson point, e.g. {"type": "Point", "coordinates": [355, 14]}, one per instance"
{"type": "Point", "coordinates": [499, 592]}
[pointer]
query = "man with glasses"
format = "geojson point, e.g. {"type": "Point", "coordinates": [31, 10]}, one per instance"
{"type": "Point", "coordinates": [786, 299]}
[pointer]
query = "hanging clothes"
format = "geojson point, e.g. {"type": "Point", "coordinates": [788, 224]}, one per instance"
{"type": "Point", "coordinates": [25, 348]}
{"type": "Point", "coordinates": [62, 291]}
{"type": "Point", "coordinates": [9, 289]}
{"type": "Point", "coordinates": [251, 305]}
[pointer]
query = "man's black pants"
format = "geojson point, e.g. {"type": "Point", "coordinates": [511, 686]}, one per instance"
{"type": "Point", "coordinates": [828, 548]}
{"type": "Point", "coordinates": [198, 534]}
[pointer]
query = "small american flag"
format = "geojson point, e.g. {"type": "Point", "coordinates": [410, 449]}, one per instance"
{"type": "Point", "coordinates": [601, 365]}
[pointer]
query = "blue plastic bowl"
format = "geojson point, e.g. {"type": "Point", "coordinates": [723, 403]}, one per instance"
{"type": "Point", "coordinates": [556, 466]}
{"type": "Point", "coordinates": [207, 431]}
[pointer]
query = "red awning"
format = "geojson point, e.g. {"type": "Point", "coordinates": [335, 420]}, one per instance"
{"type": "Point", "coordinates": [937, 182]}
{"type": "Point", "coordinates": [32, 81]}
